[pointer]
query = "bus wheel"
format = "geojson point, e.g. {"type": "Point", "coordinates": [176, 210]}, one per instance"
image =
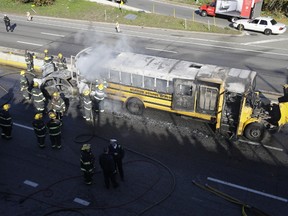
{"type": "Point", "coordinates": [254, 131]}
{"type": "Point", "coordinates": [135, 106]}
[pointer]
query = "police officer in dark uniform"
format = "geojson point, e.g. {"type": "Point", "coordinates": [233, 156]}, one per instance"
{"type": "Point", "coordinates": [54, 130]}
{"type": "Point", "coordinates": [7, 22]}
{"type": "Point", "coordinates": [39, 129]}
{"type": "Point", "coordinates": [107, 165]}
{"type": "Point", "coordinates": [6, 122]}
{"type": "Point", "coordinates": [87, 163]}
{"type": "Point", "coordinates": [117, 151]}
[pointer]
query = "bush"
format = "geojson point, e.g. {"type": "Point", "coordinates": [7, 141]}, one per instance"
{"type": "Point", "coordinates": [43, 2]}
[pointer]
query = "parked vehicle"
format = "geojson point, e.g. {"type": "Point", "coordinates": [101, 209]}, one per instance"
{"type": "Point", "coordinates": [267, 25]}
{"type": "Point", "coordinates": [233, 9]}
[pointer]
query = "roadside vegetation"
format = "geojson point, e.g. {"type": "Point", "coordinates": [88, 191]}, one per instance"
{"type": "Point", "coordinates": [85, 10]}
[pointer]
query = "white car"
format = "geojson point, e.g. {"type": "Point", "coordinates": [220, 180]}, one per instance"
{"type": "Point", "coordinates": [267, 25]}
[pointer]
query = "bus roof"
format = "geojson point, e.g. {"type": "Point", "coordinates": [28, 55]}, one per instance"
{"type": "Point", "coordinates": [234, 80]}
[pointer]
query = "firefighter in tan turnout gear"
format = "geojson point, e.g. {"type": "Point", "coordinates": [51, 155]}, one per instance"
{"type": "Point", "coordinates": [38, 98]}
{"type": "Point", "coordinates": [57, 105]}
{"type": "Point", "coordinates": [99, 95]}
{"type": "Point", "coordinates": [87, 105]}
{"type": "Point", "coordinates": [24, 86]}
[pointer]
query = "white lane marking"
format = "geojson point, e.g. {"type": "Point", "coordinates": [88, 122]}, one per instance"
{"type": "Point", "coordinates": [265, 41]}
{"type": "Point", "coordinates": [81, 201]}
{"type": "Point", "coordinates": [23, 126]}
{"type": "Point", "coordinates": [161, 50]}
{"type": "Point", "coordinates": [34, 44]}
{"type": "Point", "coordinates": [57, 35]}
{"type": "Point", "coordinates": [247, 189]}
{"type": "Point", "coordinates": [30, 183]}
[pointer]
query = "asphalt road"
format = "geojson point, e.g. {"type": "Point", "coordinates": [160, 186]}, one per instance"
{"type": "Point", "coordinates": [165, 153]}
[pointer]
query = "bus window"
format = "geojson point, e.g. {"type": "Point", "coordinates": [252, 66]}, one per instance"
{"type": "Point", "coordinates": [114, 76]}
{"type": "Point", "coordinates": [126, 78]}
{"type": "Point", "coordinates": [149, 83]}
{"type": "Point", "coordinates": [170, 87]}
{"type": "Point", "coordinates": [207, 99]}
{"type": "Point", "coordinates": [161, 85]}
{"type": "Point", "coordinates": [137, 80]}
{"type": "Point", "coordinates": [185, 90]}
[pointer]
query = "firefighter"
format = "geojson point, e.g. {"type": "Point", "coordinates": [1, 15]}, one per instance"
{"type": "Point", "coordinates": [29, 59]}
{"type": "Point", "coordinates": [107, 165]}
{"type": "Point", "coordinates": [61, 62]}
{"type": "Point", "coordinates": [58, 105]}
{"type": "Point", "coordinates": [87, 105]}
{"type": "Point", "coordinates": [6, 122]}
{"type": "Point", "coordinates": [117, 27]}
{"type": "Point", "coordinates": [46, 53]}
{"type": "Point", "coordinates": [39, 129]}
{"type": "Point", "coordinates": [117, 151]}
{"type": "Point", "coordinates": [54, 130]}
{"type": "Point", "coordinates": [38, 98]}
{"type": "Point", "coordinates": [24, 85]}
{"type": "Point", "coordinates": [87, 163]}
{"type": "Point", "coordinates": [99, 95]}
{"type": "Point", "coordinates": [48, 66]}
{"type": "Point", "coordinates": [7, 23]}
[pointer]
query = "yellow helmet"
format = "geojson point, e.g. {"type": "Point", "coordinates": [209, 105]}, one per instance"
{"type": "Point", "coordinates": [86, 92]}
{"type": "Point", "coordinates": [86, 147]}
{"type": "Point", "coordinates": [46, 58]}
{"type": "Point", "coordinates": [35, 84]}
{"type": "Point", "coordinates": [38, 116]}
{"type": "Point", "coordinates": [46, 51]}
{"type": "Point", "coordinates": [6, 107]}
{"type": "Point", "coordinates": [60, 55]}
{"type": "Point", "coordinates": [22, 72]}
{"type": "Point", "coordinates": [101, 86]}
{"type": "Point", "coordinates": [55, 94]}
{"type": "Point", "coordinates": [52, 115]}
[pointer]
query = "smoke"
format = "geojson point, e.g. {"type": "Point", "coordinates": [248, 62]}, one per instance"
{"type": "Point", "coordinates": [101, 50]}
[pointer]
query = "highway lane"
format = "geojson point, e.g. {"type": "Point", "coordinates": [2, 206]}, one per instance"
{"type": "Point", "coordinates": [253, 174]}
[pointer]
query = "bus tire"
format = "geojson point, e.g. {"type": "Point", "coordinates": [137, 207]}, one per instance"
{"type": "Point", "coordinates": [135, 106]}
{"type": "Point", "coordinates": [203, 13]}
{"type": "Point", "coordinates": [254, 131]}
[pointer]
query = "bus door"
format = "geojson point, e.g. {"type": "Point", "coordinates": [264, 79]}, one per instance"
{"type": "Point", "coordinates": [207, 98]}
{"type": "Point", "coordinates": [183, 95]}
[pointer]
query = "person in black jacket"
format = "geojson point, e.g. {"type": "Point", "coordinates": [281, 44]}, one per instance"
{"type": "Point", "coordinates": [87, 163]}
{"type": "Point", "coordinates": [39, 129]}
{"type": "Point", "coordinates": [117, 151]}
{"type": "Point", "coordinates": [107, 165]}
{"type": "Point", "coordinates": [7, 23]}
{"type": "Point", "coordinates": [54, 130]}
{"type": "Point", "coordinates": [6, 122]}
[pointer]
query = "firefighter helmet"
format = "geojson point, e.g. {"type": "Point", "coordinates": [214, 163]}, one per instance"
{"type": "Point", "coordinates": [46, 59]}
{"type": "Point", "coordinates": [55, 94]}
{"type": "Point", "coordinates": [35, 84]}
{"type": "Point", "coordinates": [86, 92]}
{"type": "Point", "coordinates": [38, 116]}
{"type": "Point", "coordinates": [22, 72]}
{"type": "Point", "coordinates": [86, 147]}
{"type": "Point", "coordinates": [52, 115]}
{"type": "Point", "coordinates": [113, 141]}
{"type": "Point", "coordinates": [46, 51]}
{"type": "Point", "coordinates": [100, 86]}
{"type": "Point", "coordinates": [6, 107]}
{"type": "Point", "coordinates": [60, 55]}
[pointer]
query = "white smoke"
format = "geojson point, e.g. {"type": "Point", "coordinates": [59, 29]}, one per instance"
{"type": "Point", "coordinates": [101, 51]}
